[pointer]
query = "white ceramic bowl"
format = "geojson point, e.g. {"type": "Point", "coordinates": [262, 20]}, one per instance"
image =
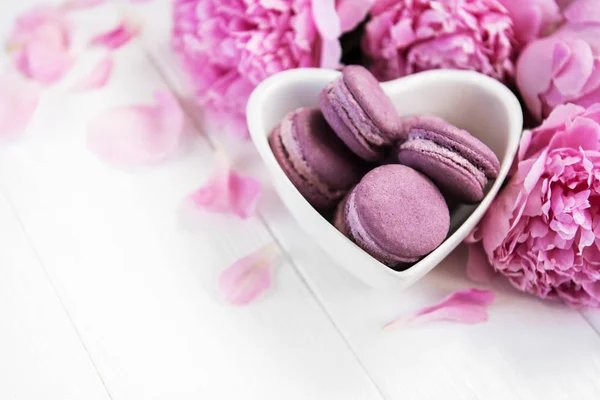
{"type": "Point", "coordinates": [475, 102]}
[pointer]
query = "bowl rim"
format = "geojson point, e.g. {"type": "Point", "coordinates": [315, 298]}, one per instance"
{"type": "Point", "coordinates": [514, 113]}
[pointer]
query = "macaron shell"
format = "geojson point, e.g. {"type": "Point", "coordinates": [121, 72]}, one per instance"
{"type": "Point", "coordinates": [308, 190]}
{"type": "Point", "coordinates": [362, 237]}
{"type": "Point", "coordinates": [452, 180]}
{"type": "Point", "coordinates": [467, 145]}
{"type": "Point", "coordinates": [339, 219]}
{"type": "Point", "coordinates": [368, 93]}
{"type": "Point", "coordinates": [402, 211]}
{"type": "Point", "coordinates": [355, 142]}
{"type": "Point", "coordinates": [328, 157]}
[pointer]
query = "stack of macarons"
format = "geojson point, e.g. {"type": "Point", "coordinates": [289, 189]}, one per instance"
{"type": "Point", "coordinates": [338, 157]}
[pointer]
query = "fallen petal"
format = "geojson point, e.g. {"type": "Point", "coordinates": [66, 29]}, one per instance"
{"type": "Point", "coordinates": [98, 77]}
{"type": "Point", "coordinates": [464, 306]}
{"type": "Point", "coordinates": [40, 40]}
{"type": "Point", "coordinates": [42, 62]}
{"type": "Point", "coordinates": [246, 279]}
{"type": "Point", "coordinates": [117, 36]}
{"type": "Point", "coordinates": [227, 192]}
{"type": "Point", "coordinates": [139, 134]}
{"type": "Point", "coordinates": [71, 5]}
{"type": "Point", "coordinates": [18, 102]}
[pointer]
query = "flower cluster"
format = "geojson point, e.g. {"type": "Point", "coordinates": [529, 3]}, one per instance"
{"type": "Point", "coordinates": [228, 47]}
{"type": "Point", "coordinates": [543, 231]}
{"type": "Point", "coordinates": [564, 67]}
{"type": "Point", "coordinates": [408, 36]}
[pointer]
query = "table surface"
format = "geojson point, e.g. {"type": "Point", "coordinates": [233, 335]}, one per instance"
{"type": "Point", "coordinates": [106, 292]}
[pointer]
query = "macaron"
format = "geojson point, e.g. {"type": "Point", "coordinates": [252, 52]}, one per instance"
{"type": "Point", "coordinates": [458, 163]}
{"type": "Point", "coordinates": [315, 160]}
{"type": "Point", "coordinates": [360, 113]}
{"type": "Point", "coordinates": [396, 214]}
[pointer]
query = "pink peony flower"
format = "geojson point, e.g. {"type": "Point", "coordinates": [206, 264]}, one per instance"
{"type": "Point", "coordinates": [532, 18]}
{"type": "Point", "coordinates": [543, 230]}
{"type": "Point", "coordinates": [564, 67]}
{"type": "Point", "coordinates": [408, 36]}
{"type": "Point", "coordinates": [41, 41]}
{"type": "Point", "coordinates": [228, 47]}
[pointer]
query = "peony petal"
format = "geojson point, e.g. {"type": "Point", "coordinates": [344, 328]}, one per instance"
{"type": "Point", "coordinates": [534, 73]}
{"type": "Point", "coordinates": [479, 269]}
{"type": "Point", "coordinates": [71, 5]}
{"type": "Point", "coordinates": [18, 102]}
{"type": "Point", "coordinates": [41, 40]}
{"type": "Point", "coordinates": [328, 26]}
{"type": "Point", "coordinates": [117, 36]}
{"type": "Point", "coordinates": [246, 279]}
{"type": "Point", "coordinates": [326, 19]}
{"type": "Point", "coordinates": [98, 77]}
{"type": "Point", "coordinates": [582, 11]}
{"type": "Point", "coordinates": [352, 12]}
{"type": "Point", "coordinates": [464, 306]}
{"type": "Point", "coordinates": [576, 70]}
{"type": "Point", "coordinates": [138, 134]}
{"type": "Point", "coordinates": [44, 62]}
{"type": "Point", "coordinates": [227, 192]}
{"type": "Point", "coordinates": [331, 54]}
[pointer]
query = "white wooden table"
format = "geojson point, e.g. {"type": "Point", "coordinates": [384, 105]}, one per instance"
{"type": "Point", "coordinates": [105, 293]}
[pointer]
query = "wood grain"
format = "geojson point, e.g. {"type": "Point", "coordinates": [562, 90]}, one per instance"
{"type": "Point", "coordinates": [41, 354]}
{"type": "Point", "coordinates": [137, 275]}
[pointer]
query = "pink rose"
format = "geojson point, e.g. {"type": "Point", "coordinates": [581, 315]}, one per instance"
{"type": "Point", "coordinates": [564, 67]}
{"type": "Point", "coordinates": [408, 36]}
{"type": "Point", "coordinates": [532, 18]}
{"type": "Point", "coordinates": [543, 230]}
{"type": "Point", "coordinates": [228, 47]}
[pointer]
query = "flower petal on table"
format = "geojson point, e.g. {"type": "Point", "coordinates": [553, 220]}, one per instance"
{"type": "Point", "coordinates": [71, 5]}
{"type": "Point", "coordinates": [40, 39]}
{"type": "Point", "coordinates": [98, 76]}
{"type": "Point", "coordinates": [464, 306]}
{"type": "Point", "coordinates": [18, 102]}
{"type": "Point", "coordinates": [118, 36]}
{"type": "Point", "coordinates": [43, 62]}
{"type": "Point", "coordinates": [139, 134]}
{"type": "Point", "coordinates": [247, 278]}
{"type": "Point", "coordinates": [227, 192]}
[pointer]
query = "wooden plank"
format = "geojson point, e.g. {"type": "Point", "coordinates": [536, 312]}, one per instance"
{"type": "Point", "coordinates": [593, 317]}
{"type": "Point", "coordinates": [41, 354]}
{"type": "Point", "coordinates": [528, 349]}
{"type": "Point", "coordinates": [139, 282]}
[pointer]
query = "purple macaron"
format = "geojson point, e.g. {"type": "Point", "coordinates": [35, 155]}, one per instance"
{"type": "Point", "coordinates": [360, 113]}
{"type": "Point", "coordinates": [317, 162]}
{"type": "Point", "coordinates": [395, 214]}
{"type": "Point", "coordinates": [457, 162]}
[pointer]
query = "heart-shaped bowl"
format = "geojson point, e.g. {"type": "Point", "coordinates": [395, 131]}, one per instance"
{"type": "Point", "coordinates": [469, 100]}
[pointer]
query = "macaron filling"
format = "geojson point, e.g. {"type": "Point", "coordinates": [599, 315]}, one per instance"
{"type": "Point", "coordinates": [354, 116]}
{"type": "Point", "coordinates": [296, 159]}
{"type": "Point", "coordinates": [359, 235]}
{"type": "Point", "coordinates": [417, 143]}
